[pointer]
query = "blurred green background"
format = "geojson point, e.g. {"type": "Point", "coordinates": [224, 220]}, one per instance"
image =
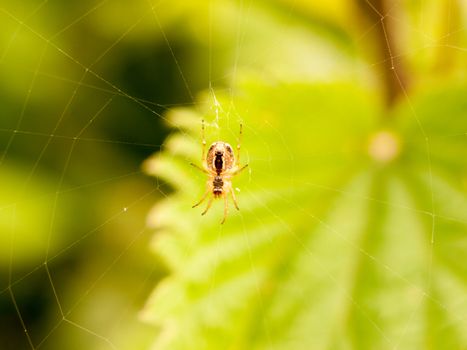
{"type": "Point", "coordinates": [352, 232]}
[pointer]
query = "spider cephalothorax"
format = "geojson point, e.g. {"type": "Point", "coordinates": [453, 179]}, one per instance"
{"type": "Point", "coordinates": [220, 165]}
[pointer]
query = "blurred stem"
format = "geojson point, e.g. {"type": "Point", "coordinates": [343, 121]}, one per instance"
{"type": "Point", "coordinates": [395, 78]}
{"type": "Point", "coordinates": [451, 22]}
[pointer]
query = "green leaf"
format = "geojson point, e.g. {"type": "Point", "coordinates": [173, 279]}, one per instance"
{"type": "Point", "coordinates": [351, 234]}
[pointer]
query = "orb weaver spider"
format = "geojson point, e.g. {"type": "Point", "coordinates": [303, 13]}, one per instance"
{"type": "Point", "coordinates": [220, 165]}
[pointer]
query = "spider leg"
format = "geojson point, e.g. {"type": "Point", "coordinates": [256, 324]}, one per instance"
{"type": "Point", "coordinates": [239, 145]}
{"type": "Point", "coordinates": [199, 168]}
{"type": "Point", "coordinates": [202, 198]}
{"type": "Point", "coordinates": [208, 206]}
{"type": "Point", "coordinates": [234, 198]}
{"type": "Point", "coordinates": [226, 207]}
{"type": "Point", "coordinates": [203, 143]}
{"type": "Point", "coordinates": [239, 170]}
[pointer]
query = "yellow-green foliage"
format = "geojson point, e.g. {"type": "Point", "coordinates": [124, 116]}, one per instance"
{"type": "Point", "coordinates": [352, 228]}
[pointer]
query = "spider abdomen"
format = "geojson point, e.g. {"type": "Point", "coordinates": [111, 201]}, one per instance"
{"type": "Point", "coordinates": [218, 163]}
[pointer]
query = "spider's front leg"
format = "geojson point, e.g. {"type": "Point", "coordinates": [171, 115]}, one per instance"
{"type": "Point", "coordinates": [208, 206]}
{"type": "Point", "coordinates": [226, 206]}
{"type": "Point", "coordinates": [234, 198]}
{"type": "Point", "coordinates": [203, 197]}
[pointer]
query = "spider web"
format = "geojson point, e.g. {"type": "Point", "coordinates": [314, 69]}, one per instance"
{"type": "Point", "coordinates": [67, 291]}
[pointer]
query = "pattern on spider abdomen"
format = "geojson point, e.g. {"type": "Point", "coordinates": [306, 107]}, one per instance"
{"type": "Point", "coordinates": [220, 157]}
{"type": "Point", "coordinates": [218, 163]}
{"type": "Point", "coordinates": [217, 185]}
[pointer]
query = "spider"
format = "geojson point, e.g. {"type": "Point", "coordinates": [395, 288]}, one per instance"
{"type": "Point", "coordinates": [220, 165]}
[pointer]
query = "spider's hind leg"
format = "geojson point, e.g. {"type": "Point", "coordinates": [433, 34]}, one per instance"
{"type": "Point", "coordinates": [239, 144]}
{"type": "Point", "coordinates": [238, 171]}
{"type": "Point", "coordinates": [203, 142]}
{"type": "Point", "coordinates": [199, 168]}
